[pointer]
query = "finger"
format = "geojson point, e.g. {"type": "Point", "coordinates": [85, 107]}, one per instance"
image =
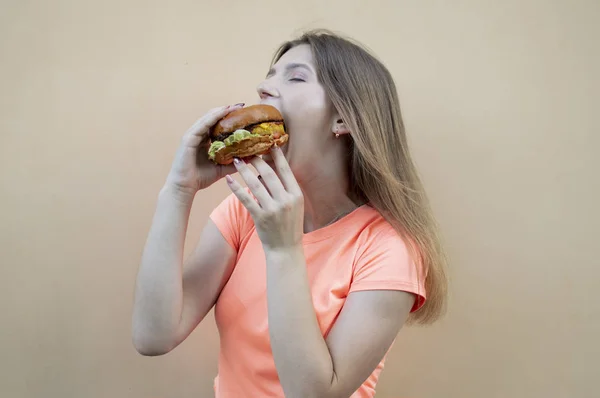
{"type": "Point", "coordinates": [202, 125]}
{"type": "Point", "coordinates": [269, 178]}
{"type": "Point", "coordinates": [244, 197]}
{"type": "Point", "coordinates": [285, 172]}
{"type": "Point", "coordinates": [261, 180]}
{"type": "Point", "coordinates": [256, 187]}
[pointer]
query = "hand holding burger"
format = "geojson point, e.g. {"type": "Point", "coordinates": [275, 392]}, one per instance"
{"type": "Point", "coordinates": [191, 170]}
{"type": "Point", "coordinates": [230, 131]}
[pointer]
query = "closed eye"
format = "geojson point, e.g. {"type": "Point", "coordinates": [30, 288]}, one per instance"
{"type": "Point", "coordinates": [297, 79]}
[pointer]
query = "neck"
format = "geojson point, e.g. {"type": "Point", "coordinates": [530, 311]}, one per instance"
{"type": "Point", "coordinates": [326, 197]}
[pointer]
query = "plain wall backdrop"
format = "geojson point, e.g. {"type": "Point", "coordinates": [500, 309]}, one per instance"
{"type": "Point", "coordinates": [500, 100]}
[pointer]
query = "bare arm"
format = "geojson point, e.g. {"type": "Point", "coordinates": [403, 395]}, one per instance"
{"type": "Point", "coordinates": [172, 298]}
{"type": "Point", "coordinates": [309, 365]}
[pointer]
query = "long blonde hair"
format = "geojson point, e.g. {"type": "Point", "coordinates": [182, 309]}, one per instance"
{"type": "Point", "coordinates": [381, 167]}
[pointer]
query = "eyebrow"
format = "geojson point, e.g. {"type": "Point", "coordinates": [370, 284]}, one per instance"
{"type": "Point", "coordinates": [289, 67]}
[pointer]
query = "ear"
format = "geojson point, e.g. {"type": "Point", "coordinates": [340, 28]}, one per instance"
{"type": "Point", "coordinates": [339, 127]}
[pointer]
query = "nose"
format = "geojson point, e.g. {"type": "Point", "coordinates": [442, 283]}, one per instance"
{"type": "Point", "coordinates": [266, 90]}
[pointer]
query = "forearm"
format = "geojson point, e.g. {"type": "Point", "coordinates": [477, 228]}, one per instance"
{"type": "Point", "coordinates": [159, 292]}
{"type": "Point", "coordinates": [302, 359]}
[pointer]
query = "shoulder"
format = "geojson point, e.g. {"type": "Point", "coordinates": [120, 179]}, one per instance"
{"type": "Point", "coordinates": [385, 259]}
{"type": "Point", "coordinates": [379, 241]}
{"type": "Point", "coordinates": [378, 234]}
{"type": "Point", "coordinates": [232, 219]}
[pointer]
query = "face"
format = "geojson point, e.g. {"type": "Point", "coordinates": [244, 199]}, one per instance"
{"type": "Point", "coordinates": [292, 87]}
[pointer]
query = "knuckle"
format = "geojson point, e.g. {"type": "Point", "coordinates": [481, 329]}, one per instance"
{"type": "Point", "coordinates": [263, 221]}
{"type": "Point", "coordinates": [288, 204]}
{"type": "Point", "coordinates": [285, 168]}
{"type": "Point", "coordinates": [246, 202]}
{"type": "Point", "coordinates": [275, 210]}
{"type": "Point", "coordinates": [270, 174]}
{"type": "Point", "coordinates": [254, 185]}
{"type": "Point", "coordinates": [297, 199]}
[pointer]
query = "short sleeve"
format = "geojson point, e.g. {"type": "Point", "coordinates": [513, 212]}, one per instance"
{"type": "Point", "coordinates": [386, 264]}
{"type": "Point", "coordinates": [233, 220]}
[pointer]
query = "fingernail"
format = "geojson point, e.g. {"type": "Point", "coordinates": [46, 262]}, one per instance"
{"type": "Point", "coordinates": [240, 104]}
{"type": "Point", "coordinates": [229, 179]}
{"type": "Point", "coordinates": [236, 161]}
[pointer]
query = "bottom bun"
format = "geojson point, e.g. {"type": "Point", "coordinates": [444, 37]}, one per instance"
{"type": "Point", "coordinates": [251, 146]}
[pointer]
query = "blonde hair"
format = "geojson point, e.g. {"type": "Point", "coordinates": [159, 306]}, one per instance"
{"type": "Point", "coordinates": [382, 171]}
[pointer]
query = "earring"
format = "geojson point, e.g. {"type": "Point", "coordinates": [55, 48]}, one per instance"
{"type": "Point", "coordinates": [337, 135]}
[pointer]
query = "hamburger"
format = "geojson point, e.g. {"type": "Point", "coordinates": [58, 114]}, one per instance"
{"type": "Point", "coordinates": [246, 132]}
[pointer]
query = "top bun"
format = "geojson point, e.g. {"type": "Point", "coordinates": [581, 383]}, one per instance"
{"type": "Point", "coordinates": [244, 117]}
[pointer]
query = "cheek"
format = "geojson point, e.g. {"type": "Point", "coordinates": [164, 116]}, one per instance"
{"type": "Point", "coordinates": [306, 114]}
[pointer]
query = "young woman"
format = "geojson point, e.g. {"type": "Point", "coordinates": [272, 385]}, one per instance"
{"type": "Point", "coordinates": [315, 267]}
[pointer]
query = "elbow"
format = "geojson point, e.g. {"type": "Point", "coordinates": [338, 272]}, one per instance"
{"type": "Point", "coordinates": [151, 340]}
{"type": "Point", "coordinates": [149, 351]}
{"type": "Point", "coordinates": [151, 347]}
{"type": "Point", "coordinates": [325, 389]}
{"type": "Point", "coordinates": [311, 390]}
{"type": "Point", "coordinates": [312, 393]}
{"type": "Point", "coordinates": [323, 393]}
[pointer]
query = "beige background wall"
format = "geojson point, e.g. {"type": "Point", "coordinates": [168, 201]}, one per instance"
{"type": "Point", "coordinates": [501, 102]}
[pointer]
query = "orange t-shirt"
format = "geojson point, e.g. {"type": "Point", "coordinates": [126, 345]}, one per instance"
{"type": "Point", "coordinates": [358, 252]}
